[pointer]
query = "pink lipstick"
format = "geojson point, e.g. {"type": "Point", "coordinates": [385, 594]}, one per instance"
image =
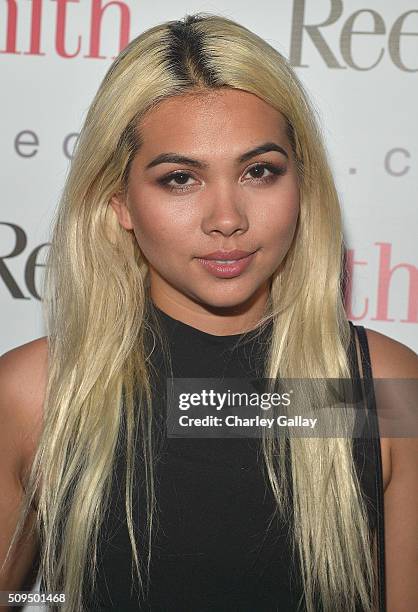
{"type": "Point", "coordinates": [227, 264]}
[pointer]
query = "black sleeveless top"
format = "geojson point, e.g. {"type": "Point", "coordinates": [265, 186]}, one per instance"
{"type": "Point", "coordinates": [218, 546]}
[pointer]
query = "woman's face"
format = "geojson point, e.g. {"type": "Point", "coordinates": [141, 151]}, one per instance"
{"type": "Point", "coordinates": [214, 172]}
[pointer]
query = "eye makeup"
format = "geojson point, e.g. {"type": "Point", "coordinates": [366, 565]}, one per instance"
{"type": "Point", "coordinates": [274, 172]}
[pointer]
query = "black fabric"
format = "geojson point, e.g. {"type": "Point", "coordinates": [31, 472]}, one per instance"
{"type": "Point", "coordinates": [219, 545]}
{"type": "Point", "coordinates": [378, 479]}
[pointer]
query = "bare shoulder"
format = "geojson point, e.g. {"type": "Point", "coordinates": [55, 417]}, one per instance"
{"type": "Point", "coordinates": [23, 372]}
{"type": "Point", "coordinates": [23, 375]}
{"type": "Point", "coordinates": [390, 358]}
{"type": "Point", "coordinates": [394, 360]}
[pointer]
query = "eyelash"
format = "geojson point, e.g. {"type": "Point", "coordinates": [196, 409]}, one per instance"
{"type": "Point", "coordinates": [275, 172]}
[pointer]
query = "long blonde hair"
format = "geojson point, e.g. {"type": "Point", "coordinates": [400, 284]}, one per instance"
{"type": "Point", "coordinates": [95, 297]}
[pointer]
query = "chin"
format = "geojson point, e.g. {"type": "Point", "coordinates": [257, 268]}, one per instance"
{"type": "Point", "coordinates": [221, 298]}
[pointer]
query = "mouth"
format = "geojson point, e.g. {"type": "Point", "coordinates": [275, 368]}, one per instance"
{"type": "Point", "coordinates": [227, 268]}
{"type": "Point", "coordinates": [228, 256]}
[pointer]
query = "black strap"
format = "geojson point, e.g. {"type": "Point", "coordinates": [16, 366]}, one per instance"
{"type": "Point", "coordinates": [371, 405]}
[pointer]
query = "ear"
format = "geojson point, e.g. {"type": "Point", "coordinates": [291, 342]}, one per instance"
{"type": "Point", "coordinates": [118, 203]}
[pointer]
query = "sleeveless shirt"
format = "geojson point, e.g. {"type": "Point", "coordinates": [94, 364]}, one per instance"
{"type": "Point", "coordinates": [218, 544]}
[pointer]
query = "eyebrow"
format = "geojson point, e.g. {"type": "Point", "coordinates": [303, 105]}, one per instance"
{"type": "Point", "coordinates": [175, 158]}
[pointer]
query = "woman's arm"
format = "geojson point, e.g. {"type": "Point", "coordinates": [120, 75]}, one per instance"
{"type": "Point", "coordinates": [391, 359]}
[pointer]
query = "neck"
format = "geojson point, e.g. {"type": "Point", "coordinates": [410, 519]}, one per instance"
{"type": "Point", "coordinates": [216, 320]}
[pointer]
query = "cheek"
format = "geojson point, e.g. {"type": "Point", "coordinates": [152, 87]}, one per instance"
{"type": "Point", "coordinates": [279, 218]}
{"type": "Point", "coordinates": [157, 227]}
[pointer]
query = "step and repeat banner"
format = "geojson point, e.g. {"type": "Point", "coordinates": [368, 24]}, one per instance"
{"type": "Point", "coordinates": [358, 60]}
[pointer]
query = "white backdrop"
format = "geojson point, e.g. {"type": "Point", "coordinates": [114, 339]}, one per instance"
{"type": "Point", "coordinates": [357, 58]}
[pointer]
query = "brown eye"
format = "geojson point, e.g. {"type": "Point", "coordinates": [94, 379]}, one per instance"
{"type": "Point", "coordinates": [176, 181]}
{"type": "Point", "coordinates": [257, 171]}
{"type": "Point", "coordinates": [180, 178]}
{"type": "Point", "coordinates": [265, 173]}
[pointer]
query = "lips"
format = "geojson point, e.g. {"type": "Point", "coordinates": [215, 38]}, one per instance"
{"type": "Point", "coordinates": [226, 255]}
{"type": "Point", "coordinates": [217, 264]}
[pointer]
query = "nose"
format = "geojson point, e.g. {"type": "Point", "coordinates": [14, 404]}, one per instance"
{"type": "Point", "coordinates": [224, 211]}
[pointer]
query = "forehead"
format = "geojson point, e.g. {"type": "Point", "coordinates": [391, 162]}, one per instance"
{"type": "Point", "coordinates": [211, 119]}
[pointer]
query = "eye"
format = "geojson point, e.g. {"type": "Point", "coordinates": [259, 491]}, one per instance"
{"type": "Point", "coordinates": [259, 174]}
{"type": "Point", "coordinates": [176, 181]}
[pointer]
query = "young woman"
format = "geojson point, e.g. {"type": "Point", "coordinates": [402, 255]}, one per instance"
{"type": "Point", "coordinates": [200, 145]}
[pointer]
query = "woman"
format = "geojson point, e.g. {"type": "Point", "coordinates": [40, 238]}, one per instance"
{"type": "Point", "coordinates": [200, 144]}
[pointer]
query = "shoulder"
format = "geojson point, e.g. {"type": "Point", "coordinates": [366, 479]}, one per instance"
{"type": "Point", "coordinates": [23, 376]}
{"type": "Point", "coordinates": [390, 358]}
{"type": "Point", "coordinates": [22, 383]}
{"type": "Point", "coordinates": [393, 360]}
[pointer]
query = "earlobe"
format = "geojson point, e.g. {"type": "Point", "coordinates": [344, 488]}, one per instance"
{"type": "Point", "coordinates": [118, 204]}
